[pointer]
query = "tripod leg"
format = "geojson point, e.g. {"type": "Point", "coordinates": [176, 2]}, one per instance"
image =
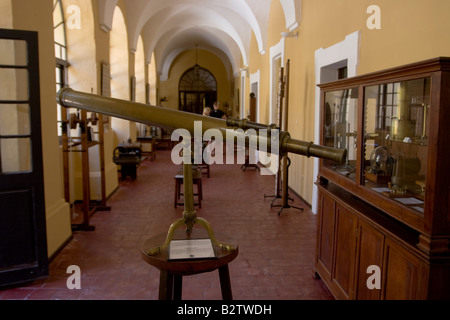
{"type": "Point", "coordinates": [285, 204]}
{"type": "Point", "coordinates": [279, 212]}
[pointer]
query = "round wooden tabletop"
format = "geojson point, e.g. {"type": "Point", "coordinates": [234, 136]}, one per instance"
{"type": "Point", "coordinates": [187, 267]}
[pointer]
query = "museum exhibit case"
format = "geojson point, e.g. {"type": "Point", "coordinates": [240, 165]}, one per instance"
{"type": "Point", "coordinates": [384, 220]}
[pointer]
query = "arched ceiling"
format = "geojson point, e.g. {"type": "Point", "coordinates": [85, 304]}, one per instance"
{"type": "Point", "coordinates": [223, 27]}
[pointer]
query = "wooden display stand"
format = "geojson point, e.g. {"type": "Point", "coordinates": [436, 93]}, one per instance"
{"type": "Point", "coordinates": [282, 175]}
{"type": "Point", "coordinates": [172, 271]}
{"type": "Point", "coordinates": [281, 80]}
{"type": "Point", "coordinates": [196, 179]}
{"type": "Point", "coordinates": [251, 117]}
{"type": "Point", "coordinates": [128, 156]}
{"type": "Point", "coordinates": [148, 146]}
{"type": "Point", "coordinates": [81, 144]}
{"type": "Point", "coordinates": [366, 223]}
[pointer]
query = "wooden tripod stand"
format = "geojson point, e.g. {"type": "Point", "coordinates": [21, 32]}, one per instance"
{"type": "Point", "coordinates": [282, 175]}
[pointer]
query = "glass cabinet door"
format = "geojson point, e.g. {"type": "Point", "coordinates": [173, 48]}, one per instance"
{"type": "Point", "coordinates": [340, 128]}
{"type": "Point", "coordinates": [395, 140]}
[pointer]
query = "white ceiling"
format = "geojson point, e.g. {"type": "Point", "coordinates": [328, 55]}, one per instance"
{"type": "Point", "coordinates": [223, 27]}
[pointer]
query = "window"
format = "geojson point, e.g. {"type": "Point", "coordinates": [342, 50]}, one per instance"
{"type": "Point", "coordinates": [15, 102]}
{"type": "Point", "coordinates": [197, 89]}
{"type": "Point", "coordinates": [387, 105]}
{"type": "Point", "coordinates": [59, 30]}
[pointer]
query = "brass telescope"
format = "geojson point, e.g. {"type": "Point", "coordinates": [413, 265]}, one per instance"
{"type": "Point", "coordinates": [175, 119]}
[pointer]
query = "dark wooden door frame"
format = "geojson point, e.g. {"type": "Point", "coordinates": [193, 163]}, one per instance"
{"type": "Point", "coordinates": [29, 183]}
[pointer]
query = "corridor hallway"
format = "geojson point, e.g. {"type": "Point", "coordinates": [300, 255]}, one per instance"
{"type": "Point", "coordinates": [276, 253]}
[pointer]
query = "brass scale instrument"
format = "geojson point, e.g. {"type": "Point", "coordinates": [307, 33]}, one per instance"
{"type": "Point", "coordinates": [174, 119]}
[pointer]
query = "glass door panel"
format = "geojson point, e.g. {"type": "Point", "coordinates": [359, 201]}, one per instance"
{"type": "Point", "coordinates": [15, 155]}
{"type": "Point", "coordinates": [14, 84]}
{"type": "Point", "coordinates": [14, 119]}
{"type": "Point", "coordinates": [13, 52]}
{"type": "Point", "coordinates": [396, 125]}
{"type": "Point", "coordinates": [340, 128]}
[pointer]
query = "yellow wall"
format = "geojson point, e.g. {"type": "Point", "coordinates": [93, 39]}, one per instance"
{"type": "Point", "coordinates": [152, 80]}
{"type": "Point", "coordinates": [411, 30]}
{"type": "Point", "coordinates": [6, 10]}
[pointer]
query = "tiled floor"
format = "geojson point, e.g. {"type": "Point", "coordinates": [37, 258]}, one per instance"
{"type": "Point", "coordinates": [276, 253]}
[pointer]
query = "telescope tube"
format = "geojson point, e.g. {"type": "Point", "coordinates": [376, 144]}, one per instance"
{"type": "Point", "coordinates": [174, 119]}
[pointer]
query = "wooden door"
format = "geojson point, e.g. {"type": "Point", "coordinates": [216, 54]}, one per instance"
{"type": "Point", "coordinates": [345, 252]}
{"type": "Point", "coordinates": [370, 253]}
{"type": "Point", "coordinates": [23, 242]}
{"type": "Point", "coordinates": [252, 109]}
{"type": "Point", "coordinates": [325, 236]}
{"type": "Point", "coordinates": [402, 273]}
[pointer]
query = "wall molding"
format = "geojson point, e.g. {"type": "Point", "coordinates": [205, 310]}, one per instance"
{"type": "Point", "coordinates": [348, 50]}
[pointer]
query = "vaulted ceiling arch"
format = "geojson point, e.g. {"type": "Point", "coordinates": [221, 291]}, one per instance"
{"type": "Point", "coordinates": [207, 42]}
{"type": "Point", "coordinates": [212, 33]}
{"type": "Point", "coordinates": [238, 13]}
{"type": "Point", "coordinates": [223, 27]}
{"type": "Point", "coordinates": [292, 13]}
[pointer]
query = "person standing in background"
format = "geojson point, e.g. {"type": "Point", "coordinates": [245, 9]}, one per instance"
{"type": "Point", "coordinates": [216, 112]}
{"type": "Point", "coordinates": [206, 111]}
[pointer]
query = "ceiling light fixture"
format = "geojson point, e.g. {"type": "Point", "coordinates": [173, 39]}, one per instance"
{"type": "Point", "coordinates": [196, 66]}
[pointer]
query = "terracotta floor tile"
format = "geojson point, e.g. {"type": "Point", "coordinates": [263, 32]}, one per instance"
{"type": "Point", "coordinates": [276, 253]}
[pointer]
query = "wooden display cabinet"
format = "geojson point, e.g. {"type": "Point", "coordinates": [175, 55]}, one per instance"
{"type": "Point", "coordinates": [388, 205]}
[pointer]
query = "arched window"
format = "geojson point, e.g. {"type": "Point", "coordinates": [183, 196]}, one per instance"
{"type": "Point", "coordinates": [59, 30]}
{"type": "Point", "coordinates": [197, 89]}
